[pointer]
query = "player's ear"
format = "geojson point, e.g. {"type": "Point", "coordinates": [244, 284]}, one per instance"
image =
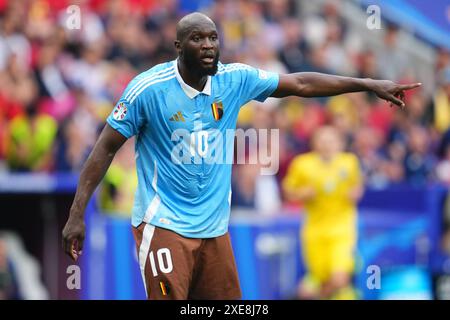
{"type": "Point", "coordinates": [177, 44]}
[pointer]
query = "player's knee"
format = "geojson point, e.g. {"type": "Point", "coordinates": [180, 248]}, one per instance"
{"type": "Point", "coordinates": [339, 280]}
{"type": "Point", "coordinates": [305, 292]}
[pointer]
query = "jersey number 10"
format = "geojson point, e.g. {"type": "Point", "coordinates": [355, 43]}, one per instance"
{"type": "Point", "coordinates": [161, 255]}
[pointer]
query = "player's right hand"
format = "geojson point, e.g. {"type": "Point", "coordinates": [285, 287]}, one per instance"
{"type": "Point", "coordinates": [73, 236]}
{"type": "Point", "coordinates": [307, 193]}
{"type": "Point", "coordinates": [391, 91]}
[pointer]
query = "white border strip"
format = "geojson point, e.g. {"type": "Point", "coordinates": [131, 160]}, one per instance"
{"type": "Point", "coordinates": [144, 248]}
{"type": "Point", "coordinates": [155, 75]}
{"type": "Point", "coordinates": [149, 84]}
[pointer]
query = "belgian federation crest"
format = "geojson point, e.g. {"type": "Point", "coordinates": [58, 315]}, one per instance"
{"type": "Point", "coordinates": [217, 110]}
{"type": "Point", "coordinates": [120, 112]}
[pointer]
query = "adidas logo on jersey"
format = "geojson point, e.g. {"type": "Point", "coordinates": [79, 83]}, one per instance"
{"type": "Point", "coordinates": [177, 117]}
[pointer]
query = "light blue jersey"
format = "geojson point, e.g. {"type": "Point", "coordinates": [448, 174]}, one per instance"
{"type": "Point", "coordinates": [181, 143]}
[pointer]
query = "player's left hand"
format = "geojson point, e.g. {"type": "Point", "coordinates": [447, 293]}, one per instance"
{"type": "Point", "coordinates": [391, 91]}
{"type": "Point", "coordinates": [73, 236]}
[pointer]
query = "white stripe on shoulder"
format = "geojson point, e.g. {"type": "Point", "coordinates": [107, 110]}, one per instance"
{"type": "Point", "coordinates": [233, 69]}
{"type": "Point", "coordinates": [150, 77]}
{"type": "Point", "coordinates": [235, 66]}
{"type": "Point", "coordinates": [148, 84]}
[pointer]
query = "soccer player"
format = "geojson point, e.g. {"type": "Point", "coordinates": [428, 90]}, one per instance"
{"type": "Point", "coordinates": [178, 110]}
{"type": "Point", "coordinates": [328, 182]}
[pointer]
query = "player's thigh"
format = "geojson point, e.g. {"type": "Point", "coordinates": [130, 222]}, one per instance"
{"type": "Point", "coordinates": [342, 251]}
{"type": "Point", "coordinates": [166, 260]}
{"type": "Point", "coordinates": [215, 274]}
{"type": "Point", "coordinates": [316, 257]}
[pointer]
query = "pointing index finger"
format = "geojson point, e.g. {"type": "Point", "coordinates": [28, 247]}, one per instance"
{"type": "Point", "coordinates": [410, 86]}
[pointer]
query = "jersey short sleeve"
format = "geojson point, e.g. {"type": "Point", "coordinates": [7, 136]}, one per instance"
{"type": "Point", "coordinates": [257, 84]}
{"type": "Point", "coordinates": [296, 176]}
{"type": "Point", "coordinates": [126, 117]}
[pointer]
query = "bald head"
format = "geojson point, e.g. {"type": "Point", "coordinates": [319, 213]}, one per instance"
{"type": "Point", "coordinates": [197, 45]}
{"type": "Point", "coordinates": [192, 21]}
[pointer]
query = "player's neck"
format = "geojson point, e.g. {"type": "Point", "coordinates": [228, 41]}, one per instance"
{"type": "Point", "coordinates": [192, 79]}
{"type": "Point", "coordinates": [327, 158]}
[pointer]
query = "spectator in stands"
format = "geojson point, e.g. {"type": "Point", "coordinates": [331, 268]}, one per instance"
{"type": "Point", "coordinates": [419, 162]}
{"type": "Point", "coordinates": [417, 112]}
{"type": "Point", "coordinates": [13, 41]}
{"type": "Point", "coordinates": [442, 61]}
{"type": "Point", "coordinates": [10, 105]}
{"type": "Point", "coordinates": [366, 145]}
{"type": "Point", "coordinates": [443, 167]}
{"type": "Point", "coordinates": [253, 191]}
{"type": "Point", "coordinates": [392, 167]}
{"type": "Point", "coordinates": [31, 137]}
{"type": "Point", "coordinates": [443, 153]}
{"type": "Point", "coordinates": [440, 103]}
{"type": "Point", "coordinates": [293, 51]}
{"type": "Point", "coordinates": [344, 113]}
{"type": "Point", "coordinates": [30, 134]}
{"type": "Point", "coordinates": [336, 56]}
{"type": "Point", "coordinates": [243, 195]}
{"type": "Point", "coordinates": [392, 61]}
{"type": "Point", "coordinates": [55, 99]}
{"type": "Point", "coordinates": [72, 148]}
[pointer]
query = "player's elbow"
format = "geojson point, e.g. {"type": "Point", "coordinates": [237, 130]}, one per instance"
{"type": "Point", "coordinates": [293, 84]}
{"type": "Point", "coordinates": [288, 194]}
{"type": "Point", "coordinates": [302, 86]}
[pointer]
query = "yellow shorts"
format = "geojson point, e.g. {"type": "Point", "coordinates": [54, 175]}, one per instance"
{"type": "Point", "coordinates": [325, 255]}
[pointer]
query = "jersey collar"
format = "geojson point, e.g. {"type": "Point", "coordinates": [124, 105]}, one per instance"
{"type": "Point", "coordinates": [191, 92]}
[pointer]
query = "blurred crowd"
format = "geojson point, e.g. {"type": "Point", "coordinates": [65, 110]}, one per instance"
{"type": "Point", "coordinates": [59, 83]}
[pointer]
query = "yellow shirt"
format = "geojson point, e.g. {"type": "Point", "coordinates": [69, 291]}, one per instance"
{"type": "Point", "coordinates": [441, 111]}
{"type": "Point", "coordinates": [331, 211]}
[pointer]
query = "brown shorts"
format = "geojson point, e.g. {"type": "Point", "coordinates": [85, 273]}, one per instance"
{"type": "Point", "coordinates": [175, 267]}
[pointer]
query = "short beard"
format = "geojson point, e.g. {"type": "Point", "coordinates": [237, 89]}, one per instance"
{"type": "Point", "coordinates": [195, 67]}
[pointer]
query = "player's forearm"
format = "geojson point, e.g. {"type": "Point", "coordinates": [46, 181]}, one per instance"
{"type": "Point", "coordinates": [92, 173]}
{"type": "Point", "coordinates": [312, 84]}
{"type": "Point", "coordinates": [301, 194]}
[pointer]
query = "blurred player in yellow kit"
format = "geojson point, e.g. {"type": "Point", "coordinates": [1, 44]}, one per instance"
{"type": "Point", "coordinates": [328, 182]}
